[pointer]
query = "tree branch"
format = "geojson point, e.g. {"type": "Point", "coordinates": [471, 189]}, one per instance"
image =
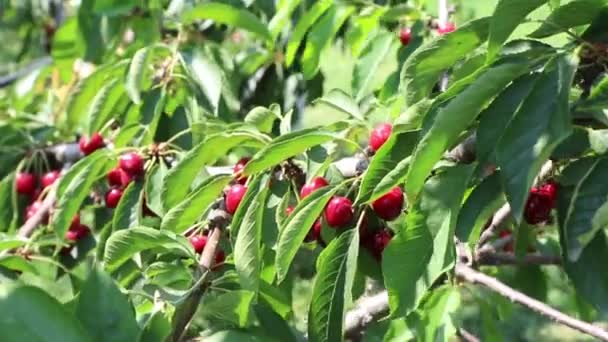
{"type": "Point", "coordinates": [469, 274]}
{"type": "Point", "coordinates": [466, 336]}
{"type": "Point", "coordinates": [369, 309]}
{"type": "Point", "coordinates": [30, 225]}
{"type": "Point", "coordinates": [496, 259]}
{"type": "Point", "coordinates": [40, 63]}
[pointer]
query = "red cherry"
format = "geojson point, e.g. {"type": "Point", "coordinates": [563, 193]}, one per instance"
{"type": "Point", "coordinates": [25, 183]}
{"type": "Point", "coordinates": [77, 232]}
{"type": "Point", "coordinates": [113, 197]}
{"type": "Point", "coordinates": [114, 177]}
{"type": "Point", "coordinates": [389, 206]}
{"type": "Point", "coordinates": [234, 196]}
{"type": "Point", "coordinates": [551, 188]}
{"type": "Point", "coordinates": [220, 257]}
{"type": "Point", "coordinates": [32, 209]}
{"type": "Point", "coordinates": [198, 242]}
{"type": "Point", "coordinates": [88, 146]}
{"type": "Point", "coordinates": [538, 207]}
{"type": "Point", "coordinates": [238, 167]}
{"type": "Point", "coordinates": [446, 28]}
{"type": "Point", "coordinates": [339, 212]}
{"type": "Point", "coordinates": [379, 136]}
{"type": "Point", "coordinates": [34, 196]}
{"type": "Point", "coordinates": [75, 222]}
{"type": "Point", "coordinates": [405, 35]}
{"type": "Point", "coordinates": [314, 234]}
{"type": "Point", "coordinates": [132, 163]}
{"type": "Point", "coordinates": [125, 179]}
{"type": "Point", "coordinates": [509, 247]}
{"type": "Point", "coordinates": [49, 178]}
{"type": "Point", "coordinates": [316, 183]}
{"type": "Point", "coordinates": [379, 242]}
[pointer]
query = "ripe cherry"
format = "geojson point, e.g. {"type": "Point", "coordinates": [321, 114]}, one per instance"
{"type": "Point", "coordinates": [234, 196]}
{"type": "Point", "coordinates": [405, 35]}
{"type": "Point", "coordinates": [316, 183]}
{"type": "Point", "coordinates": [198, 242]}
{"type": "Point", "coordinates": [25, 183]}
{"type": "Point", "coordinates": [389, 206]}
{"type": "Point", "coordinates": [551, 188]}
{"type": "Point", "coordinates": [446, 28]}
{"type": "Point", "coordinates": [238, 167]}
{"type": "Point", "coordinates": [539, 205]}
{"type": "Point", "coordinates": [509, 247]}
{"type": "Point", "coordinates": [339, 212]}
{"type": "Point", "coordinates": [132, 163]}
{"type": "Point", "coordinates": [125, 179]}
{"type": "Point", "coordinates": [77, 232]}
{"type": "Point", "coordinates": [114, 177]}
{"type": "Point", "coordinates": [379, 136]}
{"type": "Point", "coordinates": [32, 209]}
{"type": "Point", "coordinates": [220, 257]}
{"type": "Point", "coordinates": [88, 146]}
{"type": "Point", "coordinates": [379, 242]}
{"type": "Point", "coordinates": [113, 197]}
{"type": "Point", "coordinates": [49, 178]}
{"type": "Point", "coordinates": [314, 234]}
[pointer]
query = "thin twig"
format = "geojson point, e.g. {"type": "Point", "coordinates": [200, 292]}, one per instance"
{"type": "Point", "coordinates": [466, 336]}
{"type": "Point", "coordinates": [495, 259]}
{"type": "Point", "coordinates": [369, 309]}
{"type": "Point", "coordinates": [469, 274]}
{"type": "Point", "coordinates": [34, 221]}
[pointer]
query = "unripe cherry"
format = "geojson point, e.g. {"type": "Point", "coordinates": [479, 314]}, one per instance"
{"type": "Point", "coordinates": [405, 35]}
{"type": "Point", "coordinates": [238, 167]}
{"type": "Point", "coordinates": [234, 196]}
{"type": "Point", "coordinates": [379, 136]}
{"type": "Point", "coordinates": [132, 163]}
{"type": "Point", "coordinates": [389, 206]}
{"type": "Point", "coordinates": [198, 242]}
{"type": "Point", "coordinates": [113, 197]}
{"type": "Point", "coordinates": [339, 212]}
{"type": "Point", "coordinates": [25, 183]}
{"type": "Point", "coordinates": [49, 178]}
{"type": "Point", "coordinates": [314, 184]}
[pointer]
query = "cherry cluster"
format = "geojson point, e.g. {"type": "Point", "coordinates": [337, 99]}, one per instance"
{"type": "Point", "coordinates": [130, 167]}
{"type": "Point", "coordinates": [30, 185]}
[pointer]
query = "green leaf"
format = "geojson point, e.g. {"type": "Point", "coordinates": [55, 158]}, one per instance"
{"type": "Point", "coordinates": [282, 16]}
{"type": "Point", "coordinates": [123, 244]}
{"type": "Point", "coordinates": [77, 188]}
{"type": "Point", "coordinates": [389, 166]}
{"type": "Point", "coordinates": [262, 118]}
{"type": "Point", "coordinates": [331, 291]}
{"type": "Point", "coordinates": [454, 118]}
{"type": "Point", "coordinates": [422, 250]}
{"type": "Point", "coordinates": [7, 242]}
{"type": "Point", "coordinates": [424, 67]}
{"type": "Point", "coordinates": [304, 23]}
{"type": "Point", "coordinates": [436, 314]}
{"type": "Point", "coordinates": [479, 207]}
{"type": "Point", "coordinates": [587, 274]}
{"type": "Point", "coordinates": [105, 311]}
{"type": "Point", "coordinates": [296, 226]}
{"type": "Point", "coordinates": [233, 306]}
{"type": "Point", "coordinates": [179, 178]}
{"type": "Point", "coordinates": [207, 74]}
{"type": "Point", "coordinates": [153, 188]}
{"type": "Point", "coordinates": [228, 15]}
{"type": "Point", "coordinates": [508, 14]}
{"type": "Point", "coordinates": [7, 212]}
{"type": "Point", "coordinates": [582, 198]}
{"type": "Point", "coordinates": [536, 129]}
{"type": "Point", "coordinates": [17, 263]}
{"type": "Point", "coordinates": [286, 146]}
{"type": "Point", "coordinates": [321, 36]}
{"type": "Point", "coordinates": [494, 120]}
{"type": "Point", "coordinates": [272, 321]}
{"type": "Point", "coordinates": [86, 89]}
{"type": "Point", "coordinates": [128, 210]}
{"type": "Point", "coordinates": [100, 109]}
{"type": "Point", "coordinates": [248, 223]}
{"type": "Point", "coordinates": [33, 315]}
{"type": "Point", "coordinates": [366, 67]}
{"type": "Point", "coordinates": [363, 28]}
{"type": "Point", "coordinates": [340, 100]}
{"type": "Point", "coordinates": [157, 328]}
{"type": "Point", "coordinates": [184, 214]}
{"type": "Point", "coordinates": [114, 7]}
{"type": "Point", "coordinates": [135, 81]}
{"type": "Point", "coordinates": [572, 14]}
